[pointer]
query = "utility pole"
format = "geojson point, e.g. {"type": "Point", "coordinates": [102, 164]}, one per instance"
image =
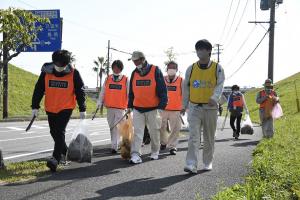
{"type": "Point", "coordinates": [271, 40]}
{"type": "Point", "coordinates": [218, 52]}
{"type": "Point", "coordinates": [5, 79]}
{"type": "Point", "coordinates": [108, 48]}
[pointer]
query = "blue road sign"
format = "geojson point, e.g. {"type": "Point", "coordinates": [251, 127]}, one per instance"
{"type": "Point", "coordinates": [48, 39]}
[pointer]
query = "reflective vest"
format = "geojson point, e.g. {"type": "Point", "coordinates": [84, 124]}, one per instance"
{"type": "Point", "coordinates": [174, 94]}
{"type": "Point", "coordinates": [237, 102]}
{"type": "Point", "coordinates": [115, 94]}
{"type": "Point", "coordinates": [202, 83]}
{"type": "Point", "coordinates": [59, 92]}
{"type": "Point", "coordinates": [263, 94]}
{"type": "Point", "coordinates": [144, 89]}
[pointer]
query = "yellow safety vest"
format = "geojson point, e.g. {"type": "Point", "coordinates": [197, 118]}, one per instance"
{"type": "Point", "coordinates": [202, 83]}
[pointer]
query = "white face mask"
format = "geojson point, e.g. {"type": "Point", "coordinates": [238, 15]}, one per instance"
{"type": "Point", "coordinates": [202, 54]}
{"type": "Point", "coordinates": [60, 69]}
{"type": "Point", "coordinates": [171, 72]}
{"type": "Point", "coordinates": [139, 66]}
{"type": "Point", "coordinates": [116, 74]}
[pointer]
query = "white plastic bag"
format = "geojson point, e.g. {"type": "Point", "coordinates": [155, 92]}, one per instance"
{"type": "Point", "coordinates": [247, 126]}
{"type": "Point", "coordinates": [80, 148]}
{"type": "Point", "coordinates": [277, 111]}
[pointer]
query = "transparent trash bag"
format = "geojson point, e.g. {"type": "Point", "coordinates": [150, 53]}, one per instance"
{"type": "Point", "coordinates": [247, 126]}
{"type": "Point", "coordinates": [277, 111]}
{"type": "Point", "coordinates": [80, 148]}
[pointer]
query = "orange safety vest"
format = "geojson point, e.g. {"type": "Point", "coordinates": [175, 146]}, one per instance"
{"type": "Point", "coordinates": [144, 89]}
{"type": "Point", "coordinates": [263, 94]}
{"type": "Point", "coordinates": [174, 94]}
{"type": "Point", "coordinates": [59, 92]}
{"type": "Point", "coordinates": [237, 101]}
{"type": "Point", "coordinates": [115, 95]}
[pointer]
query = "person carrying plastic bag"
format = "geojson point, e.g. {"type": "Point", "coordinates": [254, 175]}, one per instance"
{"type": "Point", "coordinates": [267, 98]}
{"type": "Point", "coordinates": [80, 148]}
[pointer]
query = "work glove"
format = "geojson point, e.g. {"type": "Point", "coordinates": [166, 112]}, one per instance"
{"type": "Point", "coordinates": [82, 115]}
{"type": "Point", "coordinates": [35, 112]}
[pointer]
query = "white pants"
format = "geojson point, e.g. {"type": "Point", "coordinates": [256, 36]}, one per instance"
{"type": "Point", "coordinates": [175, 126]}
{"type": "Point", "coordinates": [153, 121]}
{"type": "Point", "coordinates": [198, 117]}
{"type": "Point", "coordinates": [266, 125]}
{"type": "Point", "coordinates": [113, 116]}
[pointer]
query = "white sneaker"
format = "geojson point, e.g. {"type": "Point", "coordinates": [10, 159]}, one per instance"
{"type": "Point", "coordinates": [135, 159]}
{"type": "Point", "coordinates": [192, 169]}
{"type": "Point", "coordinates": [154, 156]}
{"type": "Point", "coordinates": [208, 167]}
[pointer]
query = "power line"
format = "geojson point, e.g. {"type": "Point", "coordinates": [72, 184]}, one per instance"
{"type": "Point", "coordinates": [248, 56]}
{"type": "Point", "coordinates": [228, 44]}
{"type": "Point", "coordinates": [226, 21]}
{"type": "Point", "coordinates": [232, 21]}
{"type": "Point", "coordinates": [242, 45]}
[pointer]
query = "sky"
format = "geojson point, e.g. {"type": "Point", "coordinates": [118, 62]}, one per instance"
{"type": "Point", "coordinates": [156, 25]}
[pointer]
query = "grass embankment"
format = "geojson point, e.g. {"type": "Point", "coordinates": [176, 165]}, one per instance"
{"type": "Point", "coordinates": [21, 85]}
{"type": "Point", "coordinates": [275, 170]}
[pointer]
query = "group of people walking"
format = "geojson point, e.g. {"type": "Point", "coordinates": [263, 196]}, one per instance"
{"type": "Point", "coordinates": [155, 101]}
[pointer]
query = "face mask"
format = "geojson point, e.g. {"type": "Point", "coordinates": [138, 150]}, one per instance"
{"type": "Point", "coordinates": [116, 74]}
{"type": "Point", "coordinates": [139, 66]}
{"type": "Point", "coordinates": [202, 54]}
{"type": "Point", "coordinates": [171, 72]}
{"type": "Point", "coordinates": [60, 69]}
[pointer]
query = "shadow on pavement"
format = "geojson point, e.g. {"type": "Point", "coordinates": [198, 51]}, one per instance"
{"type": "Point", "coordinates": [146, 186]}
{"type": "Point", "coordinates": [245, 144]}
{"type": "Point", "coordinates": [229, 139]}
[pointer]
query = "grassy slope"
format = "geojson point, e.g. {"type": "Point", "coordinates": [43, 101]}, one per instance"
{"type": "Point", "coordinates": [21, 86]}
{"type": "Point", "coordinates": [275, 172]}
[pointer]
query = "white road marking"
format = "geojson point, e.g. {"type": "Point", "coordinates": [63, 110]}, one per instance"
{"type": "Point", "coordinates": [44, 151]}
{"type": "Point", "coordinates": [15, 128]}
{"type": "Point", "coordinates": [38, 127]}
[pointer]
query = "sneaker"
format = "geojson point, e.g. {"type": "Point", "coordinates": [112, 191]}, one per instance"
{"type": "Point", "coordinates": [135, 159]}
{"type": "Point", "coordinates": [191, 169]}
{"type": "Point", "coordinates": [113, 151]}
{"type": "Point", "coordinates": [207, 167]}
{"type": "Point", "coordinates": [163, 147]}
{"type": "Point", "coordinates": [52, 164]}
{"type": "Point", "coordinates": [173, 151]}
{"type": "Point", "coordinates": [63, 160]}
{"type": "Point", "coordinates": [154, 156]}
{"type": "Point", "coordinates": [234, 134]}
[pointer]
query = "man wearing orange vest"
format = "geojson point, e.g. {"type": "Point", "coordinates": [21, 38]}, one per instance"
{"type": "Point", "coordinates": [267, 98]}
{"type": "Point", "coordinates": [236, 104]}
{"type": "Point", "coordinates": [147, 98]}
{"type": "Point", "coordinates": [172, 111]}
{"type": "Point", "coordinates": [114, 97]}
{"type": "Point", "coordinates": [62, 86]}
{"type": "Point", "coordinates": [203, 86]}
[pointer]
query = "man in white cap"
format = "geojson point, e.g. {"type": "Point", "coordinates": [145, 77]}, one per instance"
{"type": "Point", "coordinates": [147, 98]}
{"type": "Point", "coordinates": [203, 88]}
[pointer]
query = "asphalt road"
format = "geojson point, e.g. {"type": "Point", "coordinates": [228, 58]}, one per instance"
{"type": "Point", "coordinates": [110, 177]}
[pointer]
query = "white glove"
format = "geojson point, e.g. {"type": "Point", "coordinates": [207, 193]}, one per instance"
{"type": "Point", "coordinates": [82, 115]}
{"type": "Point", "coordinates": [35, 112]}
{"type": "Point", "coordinates": [99, 103]}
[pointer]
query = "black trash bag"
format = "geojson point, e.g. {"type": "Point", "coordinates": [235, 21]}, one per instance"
{"type": "Point", "coordinates": [247, 126]}
{"type": "Point", "coordinates": [80, 148]}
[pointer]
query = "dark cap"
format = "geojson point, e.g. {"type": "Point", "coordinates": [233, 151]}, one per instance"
{"type": "Point", "coordinates": [203, 44]}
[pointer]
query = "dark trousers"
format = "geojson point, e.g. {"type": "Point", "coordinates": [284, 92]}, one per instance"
{"type": "Point", "coordinates": [58, 123]}
{"type": "Point", "coordinates": [238, 118]}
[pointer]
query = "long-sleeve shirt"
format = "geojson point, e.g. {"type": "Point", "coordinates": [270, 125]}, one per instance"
{"type": "Point", "coordinates": [217, 90]}
{"type": "Point", "coordinates": [39, 89]}
{"type": "Point", "coordinates": [161, 90]}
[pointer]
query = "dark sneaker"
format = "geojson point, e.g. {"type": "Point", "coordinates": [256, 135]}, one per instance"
{"type": "Point", "coordinates": [234, 134]}
{"type": "Point", "coordinates": [52, 164]}
{"type": "Point", "coordinates": [173, 151]}
{"type": "Point", "coordinates": [163, 147]}
{"type": "Point", "coordinates": [113, 151]}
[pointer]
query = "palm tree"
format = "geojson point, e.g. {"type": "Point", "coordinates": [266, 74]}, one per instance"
{"type": "Point", "coordinates": [99, 70]}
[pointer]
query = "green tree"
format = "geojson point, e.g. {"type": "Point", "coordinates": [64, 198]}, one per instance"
{"type": "Point", "coordinates": [18, 29]}
{"type": "Point", "coordinates": [171, 55]}
{"type": "Point", "coordinates": [99, 70]}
